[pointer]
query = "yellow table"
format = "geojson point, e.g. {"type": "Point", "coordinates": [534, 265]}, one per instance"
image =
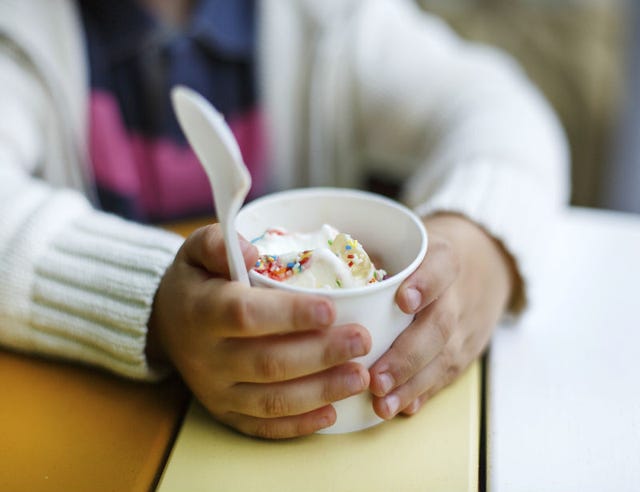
{"type": "Point", "coordinates": [435, 450]}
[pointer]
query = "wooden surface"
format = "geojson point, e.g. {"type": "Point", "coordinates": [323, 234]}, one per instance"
{"type": "Point", "coordinates": [186, 227]}
{"type": "Point", "coordinates": [564, 396]}
{"type": "Point", "coordinates": [435, 450]}
{"type": "Point", "coordinates": [69, 428]}
{"type": "Point", "coordinates": [66, 427]}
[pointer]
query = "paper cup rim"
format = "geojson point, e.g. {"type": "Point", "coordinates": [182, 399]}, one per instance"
{"type": "Point", "coordinates": [393, 280]}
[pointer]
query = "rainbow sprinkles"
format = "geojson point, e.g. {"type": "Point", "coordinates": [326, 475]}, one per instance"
{"type": "Point", "coordinates": [324, 258]}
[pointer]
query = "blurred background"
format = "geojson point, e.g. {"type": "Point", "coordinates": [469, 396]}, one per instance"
{"type": "Point", "coordinates": [585, 56]}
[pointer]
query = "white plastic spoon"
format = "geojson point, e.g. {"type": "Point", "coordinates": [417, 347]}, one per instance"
{"type": "Point", "coordinates": [219, 154]}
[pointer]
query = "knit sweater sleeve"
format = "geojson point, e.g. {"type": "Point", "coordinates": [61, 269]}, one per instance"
{"type": "Point", "coordinates": [483, 140]}
{"type": "Point", "coordinates": [75, 283]}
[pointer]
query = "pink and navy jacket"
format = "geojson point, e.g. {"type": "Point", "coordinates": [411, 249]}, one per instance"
{"type": "Point", "coordinates": [141, 161]}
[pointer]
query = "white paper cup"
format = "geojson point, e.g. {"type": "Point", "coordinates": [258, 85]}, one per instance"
{"type": "Point", "coordinates": [390, 232]}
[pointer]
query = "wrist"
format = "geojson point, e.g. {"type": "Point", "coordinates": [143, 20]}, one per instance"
{"type": "Point", "coordinates": [483, 258]}
{"type": "Point", "coordinates": [154, 349]}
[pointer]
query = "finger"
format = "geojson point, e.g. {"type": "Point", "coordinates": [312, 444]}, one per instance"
{"type": "Point", "coordinates": [281, 358]}
{"type": "Point", "coordinates": [414, 348]}
{"type": "Point", "coordinates": [445, 368]}
{"type": "Point", "coordinates": [205, 248]}
{"type": "Point", "coordinates": [409, 397]}
{"type": "Point", "coordinates": [434, 275]}
{"type": "Point", "coordinates": [232, 309]}
{"type": "Point", "coordinates": [282, 427]}
{"type": "Point", "coordinates": [299, 395]}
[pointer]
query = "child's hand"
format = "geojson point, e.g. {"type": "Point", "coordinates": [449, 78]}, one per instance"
{"type": "Point", "coordinates": [458, 294]}
{"type": "Point", "coordinates": [260, 360]}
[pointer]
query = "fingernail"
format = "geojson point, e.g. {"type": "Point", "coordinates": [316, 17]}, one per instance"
{"type": "Point", "coordinates": [413, 298]}
{"type": "Point", "coordinates": [356, 382]}
{"type": "Point", "coordinates": [385, 381]}
{"type": "Point", "coordinates": [325, 421]}
{"type": "Point", "coordinates": [323, 313]}
{"type": "Point", "coordinates": [356, 345]}
{"type": "Point", "coordinates": [393, 403]}
{"type": "Point", "coordinates": [413, 408]}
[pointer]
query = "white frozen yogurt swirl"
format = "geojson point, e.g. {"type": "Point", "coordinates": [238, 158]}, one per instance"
{"type": "Point", "coordinates": [322, 259]}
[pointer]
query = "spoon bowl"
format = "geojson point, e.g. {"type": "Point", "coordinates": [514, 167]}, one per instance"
{"type": "Point", "coordinates": [218, 152]}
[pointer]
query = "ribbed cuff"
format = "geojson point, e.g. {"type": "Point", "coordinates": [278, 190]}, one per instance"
{"type": "Point", "coordinates": [93, 290]}
{"type": "Point", "coordinates": [515, 211]}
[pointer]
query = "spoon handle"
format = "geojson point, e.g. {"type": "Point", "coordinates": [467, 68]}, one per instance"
{"type": "Point", "coordinates": [237, 270]}
{"type": "Point", "coordinates": [218, 152]}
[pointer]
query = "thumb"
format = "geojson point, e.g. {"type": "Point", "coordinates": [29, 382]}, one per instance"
{"type": "Point", "coordinates": [205, 248]}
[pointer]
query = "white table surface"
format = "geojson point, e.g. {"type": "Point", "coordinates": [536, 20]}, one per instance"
{"type": "Point", "coordinates": [563, 385]}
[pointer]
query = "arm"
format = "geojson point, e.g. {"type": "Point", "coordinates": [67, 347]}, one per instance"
{"type": "Point", "coordinates": [74, 282]}
{"type": "Point", "coordinates": [84, 285]}
{"type": "Point", "coordinates": [490, 171]}
{"type": "Point", "coordinates": [463, 121]}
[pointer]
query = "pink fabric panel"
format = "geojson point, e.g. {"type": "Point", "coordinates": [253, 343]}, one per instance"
{"type": "Point", "coordinates": [165, 178]}
{"type": "Point", "coordinates": [249, 130]}
{"type": "Point", "coordinates": [111, 154]}
{"type": "Point", "coordinates": [174, 183]}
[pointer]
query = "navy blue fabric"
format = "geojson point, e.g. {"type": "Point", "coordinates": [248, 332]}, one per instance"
{"type": "Point", "coordinates": [138, 59]}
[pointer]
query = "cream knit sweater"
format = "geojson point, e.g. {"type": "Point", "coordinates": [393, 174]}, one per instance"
{"type": "Point", "coordinates": [348, 85]}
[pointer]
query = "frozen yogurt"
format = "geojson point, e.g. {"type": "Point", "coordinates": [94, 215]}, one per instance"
{"type": "Point", "coordinates": [322, 259]}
